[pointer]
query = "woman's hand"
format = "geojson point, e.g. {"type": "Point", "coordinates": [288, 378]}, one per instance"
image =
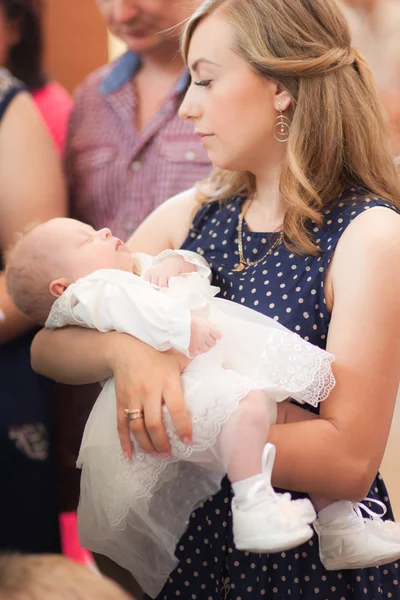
{"type": "Point", "coordinates": [144, 380]}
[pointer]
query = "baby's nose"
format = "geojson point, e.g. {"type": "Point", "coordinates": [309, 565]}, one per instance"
{"type": "Point", "coordinates": [104, 233]}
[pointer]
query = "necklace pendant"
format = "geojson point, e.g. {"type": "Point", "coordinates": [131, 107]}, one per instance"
{"type": "Point", "coordinates": [240, 267]}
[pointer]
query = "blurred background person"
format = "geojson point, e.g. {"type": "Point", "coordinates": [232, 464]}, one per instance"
{"type": "Point", "coordinates": [53, 578]}
{"type": "Point", "coordinates": [375, 29]}
{"type": "Point", "coordinates": [21, 51]}
{"type": "Point", "coordinates": [31, 188]}
{"type": "Point", "coordinates": [127, 149]}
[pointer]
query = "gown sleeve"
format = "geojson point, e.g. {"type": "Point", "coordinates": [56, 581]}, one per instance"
{"type": "Point", "coordinates": [114, 300]}
{"type": "Point", "coordinates": [202, 266]}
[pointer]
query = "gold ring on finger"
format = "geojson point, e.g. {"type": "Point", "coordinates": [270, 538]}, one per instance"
{"type": "Point", "coordinates": [132, 415]}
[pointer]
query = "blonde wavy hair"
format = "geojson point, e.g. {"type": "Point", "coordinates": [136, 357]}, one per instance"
{"type": "Point", "coordinates": [338, 135]}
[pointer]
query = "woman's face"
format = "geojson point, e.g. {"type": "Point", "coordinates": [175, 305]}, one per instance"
{"type": "Point", "coordinates": [233, 109]}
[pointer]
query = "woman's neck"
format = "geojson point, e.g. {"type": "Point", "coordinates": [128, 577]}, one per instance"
{"type": "Point", "coordinates": [267, 209]}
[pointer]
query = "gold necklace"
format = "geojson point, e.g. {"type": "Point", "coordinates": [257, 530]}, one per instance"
{"type": "Point", "coordinates": [244, 263]}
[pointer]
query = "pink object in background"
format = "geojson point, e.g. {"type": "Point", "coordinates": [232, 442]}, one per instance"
{"type": "Point", "coordinates": [70, 541]}
{"type": "Point", "coordinates": [54, 104]}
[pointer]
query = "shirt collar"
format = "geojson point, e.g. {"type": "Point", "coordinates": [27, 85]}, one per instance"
{"type": "Point", "coordinates": [125, 68]}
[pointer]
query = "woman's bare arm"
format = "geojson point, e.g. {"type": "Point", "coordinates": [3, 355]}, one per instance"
{"type": "Point", "coordinates": [31, 188]}
{"type": "Point", "coordinates": [143, 377]}
{"type": "Point", "coordinates": [73, 355]}
{"type": "Point", "coordinates": [339, 454]}
{"type": "Point", "coordinates": [168, 226]}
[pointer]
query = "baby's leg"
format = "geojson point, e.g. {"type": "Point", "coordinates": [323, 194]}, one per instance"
{"type": "Point", "coordinates": [263, 521]}
{"type": "Point", "coordinates": [244, 437]}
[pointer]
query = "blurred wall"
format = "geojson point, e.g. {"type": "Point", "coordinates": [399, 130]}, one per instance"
{"type": "Point", "coordinates": [115, 47]}
{"type": "Point", "coordinates": [76, 40]}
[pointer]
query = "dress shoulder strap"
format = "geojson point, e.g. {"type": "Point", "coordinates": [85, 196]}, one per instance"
{"type": "Point", "coordinates": [9, 88]}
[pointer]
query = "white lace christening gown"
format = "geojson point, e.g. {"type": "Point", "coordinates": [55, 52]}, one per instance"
{"type": "Point", "coordinates": [135, 511]}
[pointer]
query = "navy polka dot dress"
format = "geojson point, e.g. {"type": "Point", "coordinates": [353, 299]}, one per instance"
{"type": "Point", "coordinates": [288, 288]}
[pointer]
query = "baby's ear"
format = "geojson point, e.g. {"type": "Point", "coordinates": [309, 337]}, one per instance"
{"type": "Point", "coordinates": [58, 287]}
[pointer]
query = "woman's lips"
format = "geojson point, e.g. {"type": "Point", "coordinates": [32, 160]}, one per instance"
{"type": "Point", "coordinates": [204, 136]}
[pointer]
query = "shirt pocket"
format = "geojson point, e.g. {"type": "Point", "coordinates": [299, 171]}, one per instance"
{"type": "Point", "coordinates": [92, 159]}
{"type": "Point", "coordinates": [92, 174]}
{"type": "Point", "coordinates": [184, 150]}
{"type": "Point", "coordinates": [183, 161]}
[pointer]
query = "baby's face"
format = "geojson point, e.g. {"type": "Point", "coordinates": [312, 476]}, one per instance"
{"type": "Point", "coordinates": [82, 250]}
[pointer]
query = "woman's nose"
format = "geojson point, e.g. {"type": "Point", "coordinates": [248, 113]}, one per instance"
{"type": "Point", "coordinates": [189, 110]}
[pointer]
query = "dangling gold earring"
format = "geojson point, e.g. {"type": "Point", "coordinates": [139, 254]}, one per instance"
{"type": "Point", "coordinates": [282, 127]}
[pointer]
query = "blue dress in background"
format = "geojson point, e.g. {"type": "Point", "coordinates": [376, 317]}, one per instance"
{"type": "Point", "coordinates": [28, 470]}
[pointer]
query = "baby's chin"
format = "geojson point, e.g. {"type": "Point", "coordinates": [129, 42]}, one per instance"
{"type": "Point", "coordinates": [127, 262]}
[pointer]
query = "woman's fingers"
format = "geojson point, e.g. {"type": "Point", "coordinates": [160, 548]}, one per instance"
{"type": "Point", "coordinates": [175, 402]}
{"type": "Point", "coordinates": [141, 436]}
{"type": "Point", "coordinates": [150, 432]}
{"type": "Point", "coordinates": [144, 383]}
{"type": "Point", "coordinates": [124, 432]}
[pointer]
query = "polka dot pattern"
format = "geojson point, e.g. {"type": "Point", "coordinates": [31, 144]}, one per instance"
{"type": "Point", "coordinates": [290, 289]}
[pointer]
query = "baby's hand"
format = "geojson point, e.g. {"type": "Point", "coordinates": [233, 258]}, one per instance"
{"type": "Point", "coordinates": [170, 267]}
{"type": "Point", "coordinates": [203, 336]}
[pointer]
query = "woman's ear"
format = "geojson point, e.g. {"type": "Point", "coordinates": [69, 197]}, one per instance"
{"type": "Point", "coordinates": [283, 99]}
{"type": "Point", "coordinates": [58, 287]}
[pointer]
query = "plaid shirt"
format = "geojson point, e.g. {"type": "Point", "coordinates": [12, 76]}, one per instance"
{"type": "Point", "coordinates": [116, 175]}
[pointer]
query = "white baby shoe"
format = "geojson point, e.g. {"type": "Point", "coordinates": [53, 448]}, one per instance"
{"type": "Point", "coordinates": [348, 540]}
{"type": "Point", "coordinates": [271, 522]}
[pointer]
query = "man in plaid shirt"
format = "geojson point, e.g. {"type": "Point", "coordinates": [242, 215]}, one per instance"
{"type": "Point", "coordinates": [127, 149]}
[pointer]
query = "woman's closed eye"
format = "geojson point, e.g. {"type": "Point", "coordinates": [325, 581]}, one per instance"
{"type": "Point", "coordinates": [203, 83]}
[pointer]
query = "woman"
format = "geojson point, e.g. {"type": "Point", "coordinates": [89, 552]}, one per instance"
{"type": "Point", "coordinates": [288, 113]}
{"type": "Point", "coordinates": [32, 188]}
{"type": "Point", "coordinates": [21, 51]}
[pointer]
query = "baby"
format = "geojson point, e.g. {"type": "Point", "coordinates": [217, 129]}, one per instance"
{"type": "Point", "coordinates": [244, 366]}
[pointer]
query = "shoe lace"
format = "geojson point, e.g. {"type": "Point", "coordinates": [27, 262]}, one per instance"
{"type": "Point", "coordinates": [386, 527]}
{"type": "Point", "coordinates": [267, 461]}
{"type": "Point", "coordinates": [357, 506]}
